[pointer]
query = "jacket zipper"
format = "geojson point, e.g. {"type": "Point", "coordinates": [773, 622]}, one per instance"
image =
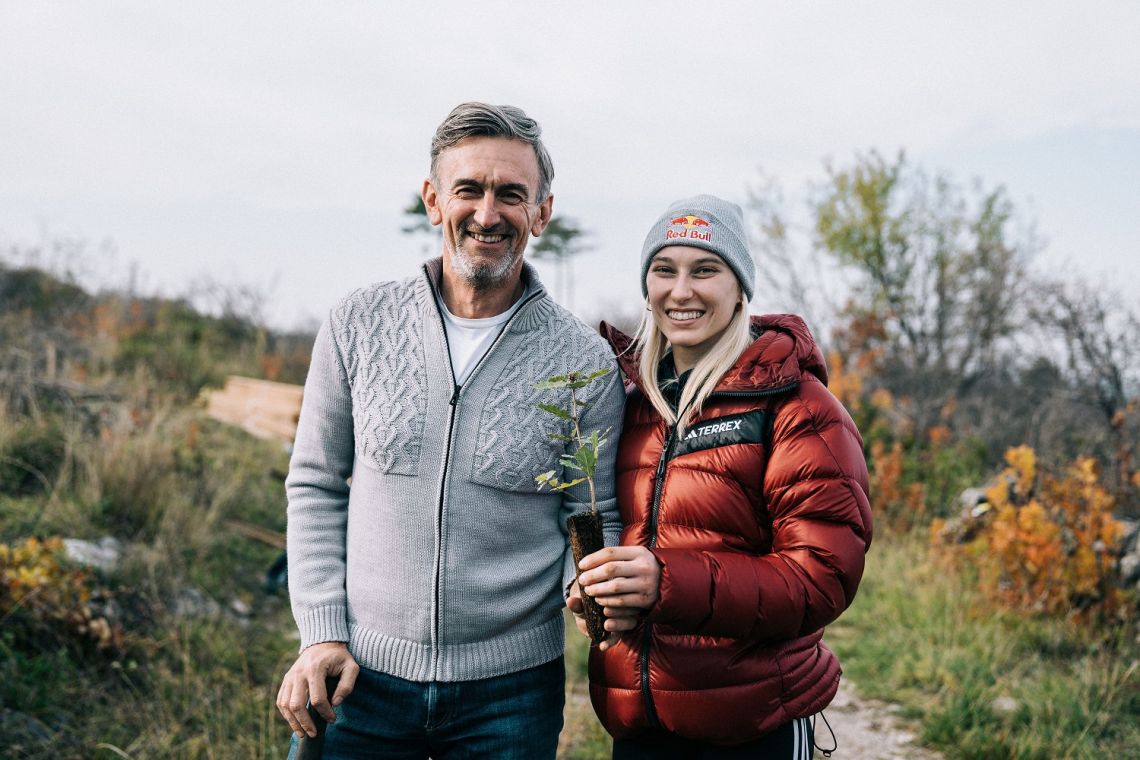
{"type": "Point", "coordinates": [766, 392]}
{"type": "Point", "coordinates": [647, 633]}
{"type": "Point", "coordinates": [452, 403]}
{"type": "Point", "coordinates": [658, 490]}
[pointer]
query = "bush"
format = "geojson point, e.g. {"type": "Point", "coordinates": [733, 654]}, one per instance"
{"type": "Point", "coordinates": [1047, 542]}
{"type": "Point", "coordinates": [45, 604]}
{"type": "Point", "coordinates": [30, 459]}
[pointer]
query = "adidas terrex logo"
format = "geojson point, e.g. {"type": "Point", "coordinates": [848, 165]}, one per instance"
{"type": "Point", "coordinates": [722, 427]}
{"type": "Point", "coordinates": [730, 430]}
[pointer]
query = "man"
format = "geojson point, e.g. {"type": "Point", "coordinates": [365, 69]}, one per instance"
{"type": "Point", "coordinates": [432, 589]}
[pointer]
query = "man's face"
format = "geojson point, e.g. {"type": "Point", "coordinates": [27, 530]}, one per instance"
{"type": "Point", "coordinates": [484, 196]}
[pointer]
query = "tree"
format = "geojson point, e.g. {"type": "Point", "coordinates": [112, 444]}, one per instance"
{"type": "Point", "coordinates": [416, 224]}
{"type": "Point", "coordinates": [935, 280]}
{"type": "Point", "coordinates": [561, 241]}
{"type": "Point", "coordinates": [1099, 338]}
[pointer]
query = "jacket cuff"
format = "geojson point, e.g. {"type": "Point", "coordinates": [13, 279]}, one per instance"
{"type": "Point", "coordinates": [323, 624]}
{"type": "Point", "coordinates": [684, 595]}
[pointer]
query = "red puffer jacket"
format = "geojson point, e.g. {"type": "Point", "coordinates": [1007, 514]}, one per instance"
{"type": "Point", "coordinates": [760, 520]}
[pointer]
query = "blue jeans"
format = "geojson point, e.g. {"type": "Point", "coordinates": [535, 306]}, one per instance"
{"type": "Point", "coordinates": [515, 716]}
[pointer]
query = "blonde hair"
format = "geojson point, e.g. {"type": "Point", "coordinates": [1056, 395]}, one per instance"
{"type": "Point", "coordinates": [705, 375]}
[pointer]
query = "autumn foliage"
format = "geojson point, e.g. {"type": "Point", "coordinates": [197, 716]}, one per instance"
{"type": "Point", "coordinates": [41, 597]}
{"type": "Point", "coordinates": [1046, 540]}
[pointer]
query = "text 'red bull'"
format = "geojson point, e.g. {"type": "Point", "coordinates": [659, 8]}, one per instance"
{"type": "Point", "coordinates": [689, 224]}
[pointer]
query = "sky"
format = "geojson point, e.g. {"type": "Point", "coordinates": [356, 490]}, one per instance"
{"type": "Point", "coordinates": [274, 145]}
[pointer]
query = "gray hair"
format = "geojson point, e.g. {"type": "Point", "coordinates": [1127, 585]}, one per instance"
{"type": "Point", "coordinates": [483, 120]}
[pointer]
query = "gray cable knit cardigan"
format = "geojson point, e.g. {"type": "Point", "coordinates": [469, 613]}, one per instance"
{"type": "Point", "coordinates": [442, 562]}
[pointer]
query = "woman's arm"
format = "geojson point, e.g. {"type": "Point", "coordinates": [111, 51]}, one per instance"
{"type": "Point", "coordinates": [816, 491]}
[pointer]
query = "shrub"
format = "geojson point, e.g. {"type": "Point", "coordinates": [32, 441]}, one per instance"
{"type": "Point", "coordinates": [42, 601]}
{"type": "Point", "coordinates": [30, 459]}
{"type": "Point", "coordinates": [1048, 541]}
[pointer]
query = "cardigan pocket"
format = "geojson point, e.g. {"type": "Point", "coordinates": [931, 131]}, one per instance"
{"type": "Point", "coordinates": [389, 404]}
{"type": "Point", "coordinates": [509, 460]}
{"type": "Point", "coordinates": [382, 347]}
{"type": "Point", "coordinates": [514, 443]}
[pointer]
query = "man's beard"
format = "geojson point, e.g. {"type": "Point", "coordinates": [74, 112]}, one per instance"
{"type": "Point", "coordinates": [484, 274]}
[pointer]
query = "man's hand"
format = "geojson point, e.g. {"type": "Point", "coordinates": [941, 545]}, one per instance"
{"type": "Point", "coordinates": [624, 580]}
{"type": "Point", "coordinates": [305, 682]}
{"type": "Point", "coordinates": [574, 603]}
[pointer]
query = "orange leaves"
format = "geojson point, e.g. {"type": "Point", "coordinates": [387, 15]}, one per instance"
{"type": "Point", "coordinates": [940, 434]}
{"type": "Point", "coordinates": [35, 587]}
{"type": "Point", "coordinates": [1049, 543]}
{"type": "Point", "coordinates": [902, 504]}
{"type": "Point", "coordinates": [1023, 466]}
{"type": "Point", "coordinates": [847, 386]}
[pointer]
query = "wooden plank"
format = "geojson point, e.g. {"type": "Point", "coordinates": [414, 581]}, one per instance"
{"type": "Point", "coordinates": [263, 408]}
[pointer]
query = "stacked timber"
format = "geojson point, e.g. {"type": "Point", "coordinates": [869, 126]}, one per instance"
{"type": "Point", "coordinates": [260, 407]}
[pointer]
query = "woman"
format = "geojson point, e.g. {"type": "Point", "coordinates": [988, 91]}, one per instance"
{"type": "Point", "coordinates": [743, 489]}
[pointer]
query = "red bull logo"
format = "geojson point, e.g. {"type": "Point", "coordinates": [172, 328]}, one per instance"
{"type": "Point", "coordinates": [690, 228]}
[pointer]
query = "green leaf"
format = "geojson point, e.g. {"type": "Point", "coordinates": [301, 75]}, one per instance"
{"type": "Point", "coordinates": [550, 383]}
{"type": "Point", "coordinates": [559, 437]}
{"type": "Point", "coordinates": [586, 459]}
{"type": "Point", "coordinates": [598, 373]}
{"type": "Point", "coordinates": [557, 411]}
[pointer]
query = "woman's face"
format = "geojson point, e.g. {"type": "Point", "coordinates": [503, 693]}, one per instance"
{"type": "Point", "coordinates": [693, 295]}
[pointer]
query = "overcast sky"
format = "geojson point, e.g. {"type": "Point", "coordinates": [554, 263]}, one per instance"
{"type": "Point", "coordinates": [276, 143]}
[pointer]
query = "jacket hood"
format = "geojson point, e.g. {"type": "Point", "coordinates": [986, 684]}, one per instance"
{"type": "Point", "coordinates": [778, 357]}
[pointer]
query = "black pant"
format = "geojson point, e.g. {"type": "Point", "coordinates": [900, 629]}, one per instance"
{"type": "Point", "coordinates": [791, 741]}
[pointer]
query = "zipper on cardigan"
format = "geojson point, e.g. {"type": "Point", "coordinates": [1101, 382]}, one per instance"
{"type": "Point", "coordinates": [452, 404]}
{"type": "Point", "coordinates": [439, 533]}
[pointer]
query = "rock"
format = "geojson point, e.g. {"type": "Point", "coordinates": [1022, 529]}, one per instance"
{"type": "Point", "coordinates": [193, 603]}
{"type": "Point", "coordinates": [1131, 537]}
{"type": "Point", "coordinates": [1004, 705]}
{"type": "Point", "coordinates": [1128, 562]}
{"type": "Point", "coordinates": [970, 498]}
{"type": "Point", "coordinates": [240, 607]}
{"type": "Point", "coordinates": [902, 738]}
{"type": "Point", "coordinates": [1129, 569]}
{"type": "Point", "coordinates": [103, 555]}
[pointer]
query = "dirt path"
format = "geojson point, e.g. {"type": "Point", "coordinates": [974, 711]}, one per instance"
{"type": "Point", "coordinates": [868, 730]}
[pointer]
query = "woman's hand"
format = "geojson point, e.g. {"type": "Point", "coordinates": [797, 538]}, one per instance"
{"type": "Point", "coordinates": [624, 580]}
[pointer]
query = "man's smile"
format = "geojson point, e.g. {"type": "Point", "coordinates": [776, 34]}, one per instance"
{"type": "Point", "coordinates": [486, 237]}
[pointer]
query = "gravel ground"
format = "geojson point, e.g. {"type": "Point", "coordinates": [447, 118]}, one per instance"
{"type": "Point", "coordinates": [868, 730]}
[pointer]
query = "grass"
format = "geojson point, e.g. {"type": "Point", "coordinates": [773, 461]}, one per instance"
{"type": "Point", "coordinates": [920, 635]}
{"type": "Point", "coordinates": [981, 681]}
{"type": "Point", "coordinates": [583, 737]}
{"type": "Point", "coordinates": [201, 685]}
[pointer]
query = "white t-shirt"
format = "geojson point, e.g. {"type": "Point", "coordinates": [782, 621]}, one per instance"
{"type": "Point", "coordinates": [469, 339]}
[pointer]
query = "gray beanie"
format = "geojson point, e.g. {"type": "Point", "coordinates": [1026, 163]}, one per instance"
{"type": "Point", "coordinates": [703, 221]}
